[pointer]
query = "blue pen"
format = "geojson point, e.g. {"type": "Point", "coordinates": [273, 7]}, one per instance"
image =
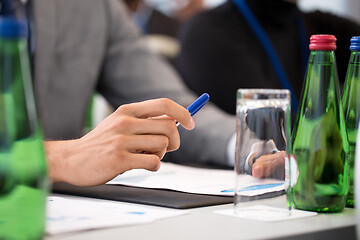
{"type": "Point", "coordinates": [197, 105]}
{"type": "Point", "coordinates": [194, 107]}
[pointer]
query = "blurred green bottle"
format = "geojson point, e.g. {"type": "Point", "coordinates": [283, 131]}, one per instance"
{"type": "Point", "coordinates": [319, 141]}
{"type": "Point", "coordinates": [23, 172]}
{"type": "Point", "coordinates": [351, 104]}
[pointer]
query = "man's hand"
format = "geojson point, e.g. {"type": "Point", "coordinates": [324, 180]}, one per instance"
{"type": "Point", "coordinates": [135, 136]}
{"type": "Point", "coordinates": [269, 165]}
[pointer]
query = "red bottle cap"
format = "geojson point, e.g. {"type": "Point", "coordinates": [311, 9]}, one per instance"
{"type": "Point", "coordinates": [323, 42]}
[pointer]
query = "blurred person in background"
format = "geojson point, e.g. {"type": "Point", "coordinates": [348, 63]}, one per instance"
{"type": "Point", "coordinates": [220, 51]}
{"type": "Point", "coordinates": [161, 28]}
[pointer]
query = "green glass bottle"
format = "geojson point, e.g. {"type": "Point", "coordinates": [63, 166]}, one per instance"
{"type": "Point", "coordinates": [23, 171]}
{"type": "Point", "coordinates": [319, 141]}
{"type": "Point", "coordinates": [351, 104]}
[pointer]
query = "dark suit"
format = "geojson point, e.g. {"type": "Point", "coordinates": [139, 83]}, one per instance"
{"type": "Point", "coordinates": [220, 52]}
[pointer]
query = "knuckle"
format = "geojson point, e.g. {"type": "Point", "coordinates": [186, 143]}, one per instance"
{"type": "Point", "coordinates": [124, 122]}
{"type": "Point", "coordinates": [122, 109]}
{"type": "Point", "coordinates": [163, 141]}
{"type": "Point", "coordinates": [176, 146]}
{"type": "Point", "coordinates": [165, 102]}
{"type": "Point", "coordinates": [155, 163]}
{"type": "Point", "coordinates": [120, 163]}
{"type": "Point", "coordinates": [162, 154]}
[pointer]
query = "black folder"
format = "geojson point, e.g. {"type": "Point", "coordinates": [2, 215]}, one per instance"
{"type": "Point", "coordinates": [155, 197]}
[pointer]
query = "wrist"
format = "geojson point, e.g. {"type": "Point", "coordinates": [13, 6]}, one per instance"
{"type": "Point", "coordinates": [56, 157]}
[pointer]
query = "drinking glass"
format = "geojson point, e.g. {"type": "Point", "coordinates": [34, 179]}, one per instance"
{"type": "Point", "coordinates": [262, 161]}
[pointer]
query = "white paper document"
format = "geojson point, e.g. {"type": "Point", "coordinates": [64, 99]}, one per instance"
{"type": "Point", "coordinates": [69, 215]}
{"type": "Point", "coordinates": [197, 180]}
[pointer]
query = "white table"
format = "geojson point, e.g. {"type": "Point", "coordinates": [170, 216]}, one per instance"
{"type": "Point", "coordinates": [202, 223]}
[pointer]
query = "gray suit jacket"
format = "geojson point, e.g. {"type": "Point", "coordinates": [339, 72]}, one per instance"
{"type": "Point", "coordinates": [83, 46]}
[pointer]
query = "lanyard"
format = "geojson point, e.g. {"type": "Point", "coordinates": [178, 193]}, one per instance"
{"type": "Point", "coordinates": [270, 50]}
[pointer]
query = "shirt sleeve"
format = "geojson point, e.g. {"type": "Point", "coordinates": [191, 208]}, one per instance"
{"type": "Point", "coordinates": [131, 73]}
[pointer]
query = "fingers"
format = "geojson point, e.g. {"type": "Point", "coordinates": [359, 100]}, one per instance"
{"type": "Point", "coordinates": [148, 144]}
{"type": "Point", "coordinates": [159, 107]}
{"type": "Point", "coordinates": [164, 127]}
{"type": "Point", "coordinates": [154, 117]}
{"type": "Point", "coordinates": [271, 165]}
{"type": "Point", "coordinates": [144, 161]}
{"type": "Point", "coordinates": [134, 136]}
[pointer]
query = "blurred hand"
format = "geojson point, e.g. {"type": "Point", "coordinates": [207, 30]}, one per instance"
{"type": "Point", "coordinates": [270, 166]}
{"type": "Point", "coordinates": [135, 136]}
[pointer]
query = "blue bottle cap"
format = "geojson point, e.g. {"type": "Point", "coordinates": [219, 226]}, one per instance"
{"type": "Point", "coordinates": [11, 27]}
{"type": "Point", "coordinates": [355, 43]}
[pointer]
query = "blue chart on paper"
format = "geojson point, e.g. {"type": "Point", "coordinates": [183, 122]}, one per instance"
{"type": "Point", "coordinates": [255, 187]}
